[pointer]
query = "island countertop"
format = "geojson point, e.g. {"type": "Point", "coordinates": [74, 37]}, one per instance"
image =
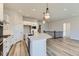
{"type": "Point", "coordinates": [39, 36]}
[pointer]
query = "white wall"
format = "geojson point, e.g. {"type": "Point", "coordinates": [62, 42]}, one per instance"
{"type": "Point", "coordinates": [74, 28]}
{"type": "Point", "coordinates": [44, 26]}
{"type": "Point", "coordinates": [56, 25]}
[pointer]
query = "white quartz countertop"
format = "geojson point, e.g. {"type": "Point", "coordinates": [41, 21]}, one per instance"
{"type": "Point", "coordinates": [40, 36]}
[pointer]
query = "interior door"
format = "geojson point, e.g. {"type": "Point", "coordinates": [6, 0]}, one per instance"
{"type": "Point", "coordinates": [66, 30]}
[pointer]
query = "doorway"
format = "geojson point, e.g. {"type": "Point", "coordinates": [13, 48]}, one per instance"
{"type": "Point", "coordinates": [66, 30]}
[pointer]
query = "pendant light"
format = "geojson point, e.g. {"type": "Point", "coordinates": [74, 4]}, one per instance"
{"type": "Point", "coordinates": [44, 22]}
{"type": "Point", "coordinates": [46, 13]}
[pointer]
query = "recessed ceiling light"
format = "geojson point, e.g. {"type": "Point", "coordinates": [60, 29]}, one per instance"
{"type": "Point", "coordinates": [73, 14]}
{"type": "Point", "coordinates": [33, 9]}
{"type": "Point", "coordinates": [20, 11]}
{"type": "Point", "coordinates": [65, 9]}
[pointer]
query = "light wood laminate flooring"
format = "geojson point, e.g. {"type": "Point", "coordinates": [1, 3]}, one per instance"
{"type": "Point", "coordinates": [62, 47]}
{"type": "Point", "coordinates": [19, 49]}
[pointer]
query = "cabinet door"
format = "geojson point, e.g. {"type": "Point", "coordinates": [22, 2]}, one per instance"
{"type": "Point", "coordinates": [6, 46]}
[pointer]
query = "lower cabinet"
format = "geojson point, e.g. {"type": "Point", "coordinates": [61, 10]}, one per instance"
{"type": "Point", "coordinates": [37, 47]}
{"type": "Point", "coordinates": [6, 46]}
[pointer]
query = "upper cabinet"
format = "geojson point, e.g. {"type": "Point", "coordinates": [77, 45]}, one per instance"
{"type": "Point", "coordinates": [1, 12]}
{"type": "Point", "coordinates": [6, 25]}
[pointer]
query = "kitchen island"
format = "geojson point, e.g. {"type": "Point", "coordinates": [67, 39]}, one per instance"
{"type": "Point", "coordinates": [37, 44]}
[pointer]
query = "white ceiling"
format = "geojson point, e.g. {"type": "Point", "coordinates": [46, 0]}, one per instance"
{"type": "Point", "coordinates": [58, 11]}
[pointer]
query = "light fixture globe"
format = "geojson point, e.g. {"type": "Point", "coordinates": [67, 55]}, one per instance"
{"type": "Point", "coordinates": [44, 22]}
{"type": "Point", "coordinates": [46, 16]}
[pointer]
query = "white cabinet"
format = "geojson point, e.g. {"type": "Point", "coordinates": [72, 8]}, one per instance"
{"type": "Point", "coordinates": [6, 41]}
{"type": "Point", "coordinates": [37, 44]}
{"type": "Point", "coordinates": [6, 46]}
{"type": "Point", "coordinates": [38, 47]}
